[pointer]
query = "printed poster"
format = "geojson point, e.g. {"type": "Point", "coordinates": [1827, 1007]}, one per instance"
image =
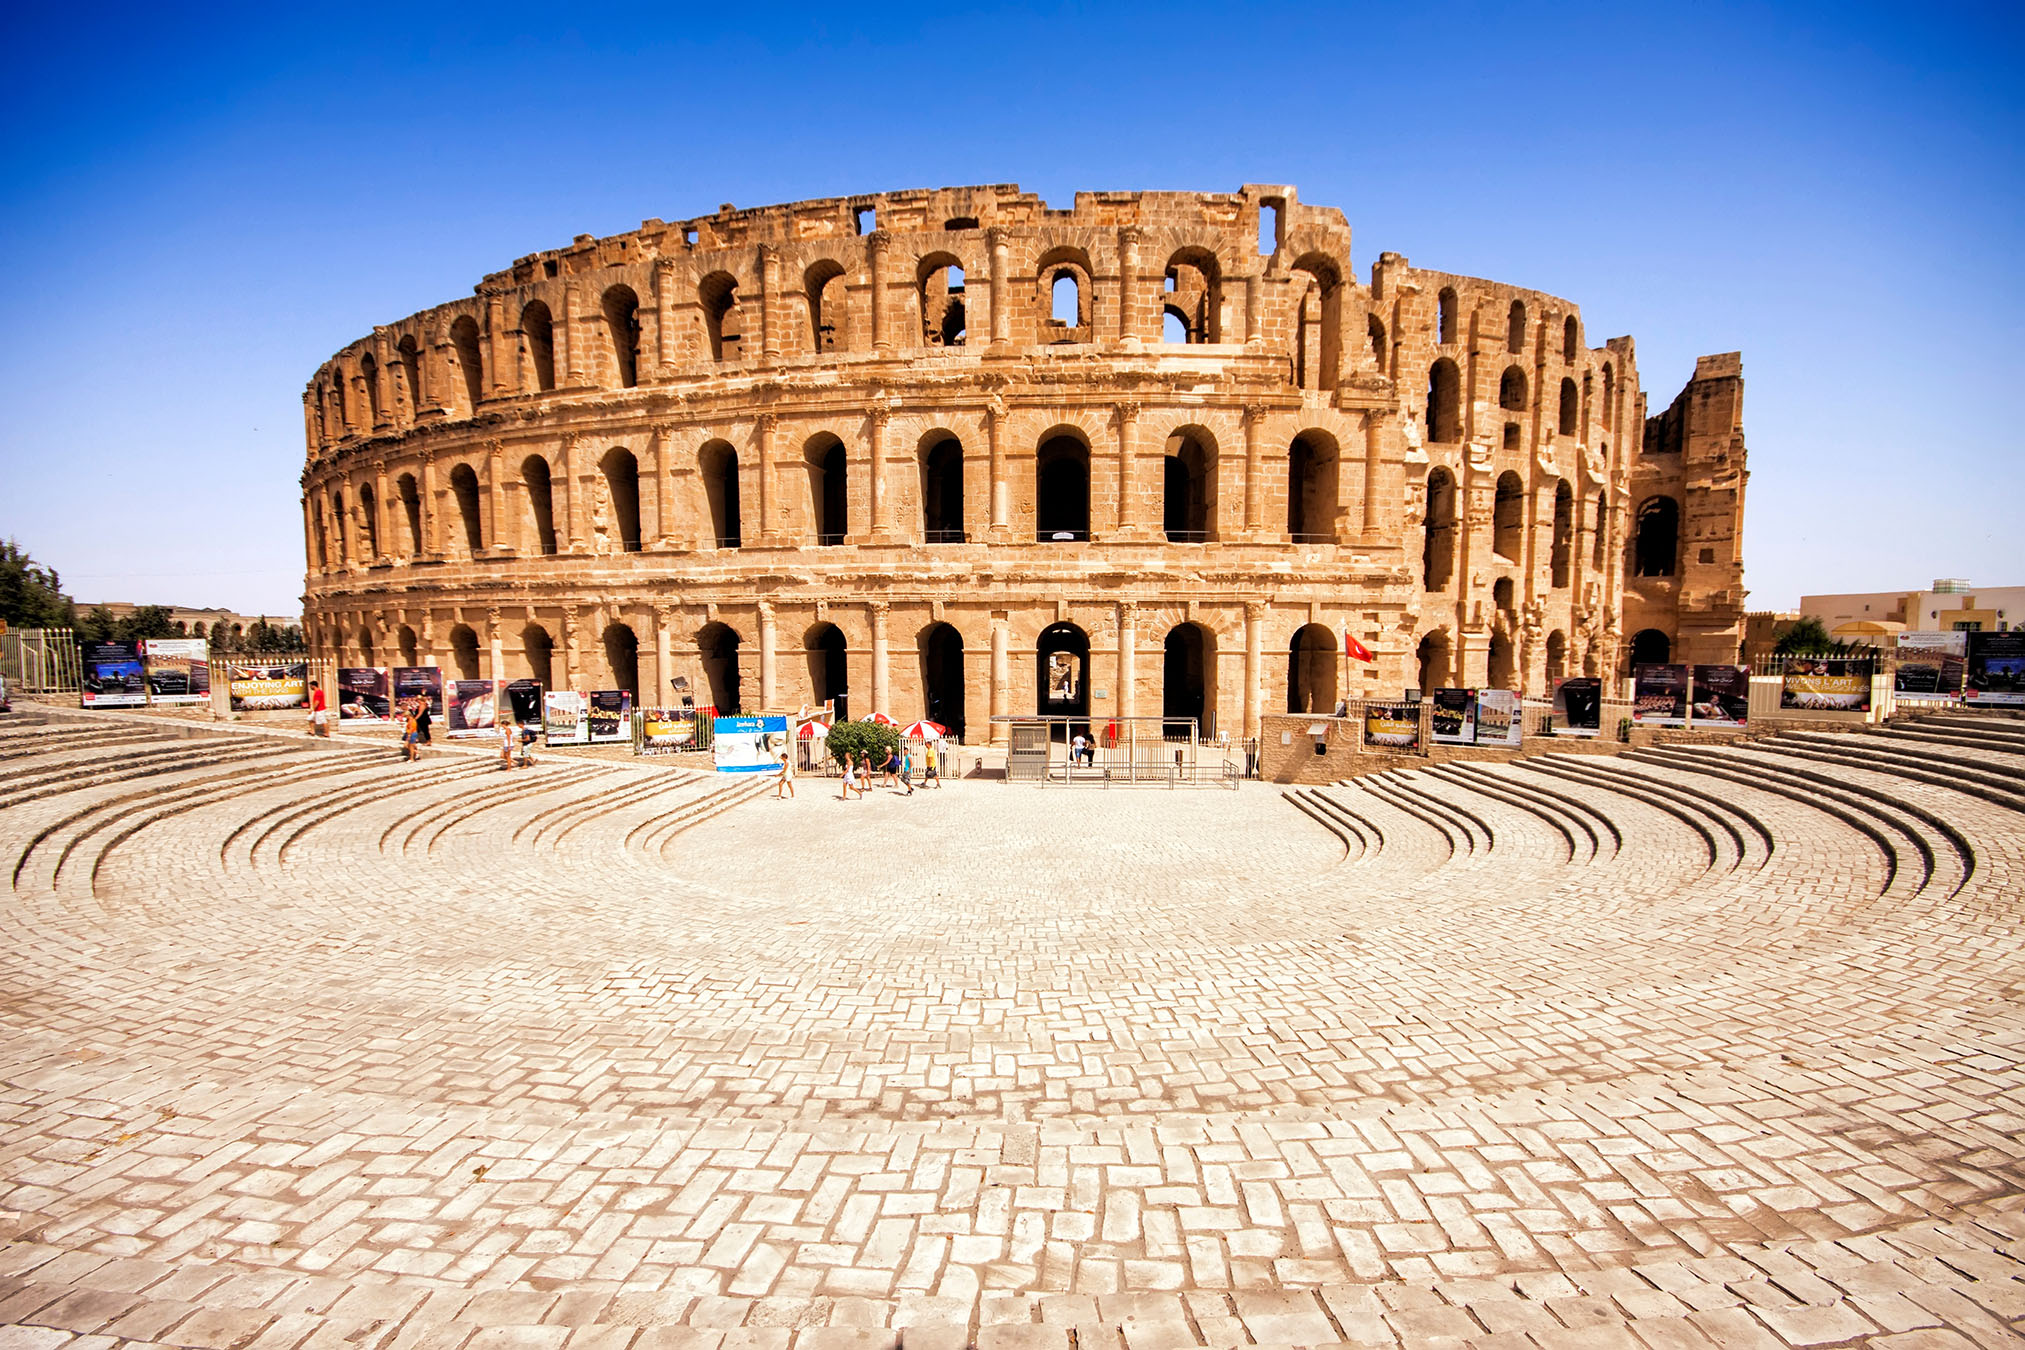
{"type": "Point", "coordinates": [524, 697]}
{"type": "Point", "coordinates": [266, 688]}
{"type": "Point", "coordinates": [1996, 669]}
{"type": "Point", "coordinates": [1659, 695]}
{"type": "Point", "coordinates": [1392, 726]}
{"type": "Point", "coordinates": [1931, 665]}
{"type": "Point", "coordinates": [667, 731]}
{"type": "Point", "coordinates": [472, 707]}
{"type": "Point", "coordinates": [1826, 684]}
{"type": "Point", "coordinates": [1578, 706]}
{"type": "Point", "coordinates": [750, 744]}
{"type": "Point", "coordinates": [424, 682]}
{"type": "Point", "coordinates": [1722, 696]}
{"type": "Point", "coordinates": [562, 718]}
{"type": "Point", "coordinates": [1452, 716]}
{"type": "Point", "coordinates": [111, 675]}
{"type": "Point", "coordinates": [610, 713]}
{"type": "Point", "coordinates": [178, 670]}
{"type": "Point", "coordinates": [364, 694]}
{"type": "Point", "coordinates": [1498, 718]}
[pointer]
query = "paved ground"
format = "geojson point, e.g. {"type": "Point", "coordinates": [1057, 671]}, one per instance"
{"type": "Point", "coordinates": [306, 1047]}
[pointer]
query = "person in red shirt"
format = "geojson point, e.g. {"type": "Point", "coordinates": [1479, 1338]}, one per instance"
{"type": "Point", "coordinates": [319, 712]}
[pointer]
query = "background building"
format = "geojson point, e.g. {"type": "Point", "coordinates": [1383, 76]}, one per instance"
{"type": "Point", "coordinates": [1949, 605]}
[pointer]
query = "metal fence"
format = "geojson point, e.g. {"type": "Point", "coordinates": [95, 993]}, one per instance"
{"type": "Point", "coordinates": [40, 661]}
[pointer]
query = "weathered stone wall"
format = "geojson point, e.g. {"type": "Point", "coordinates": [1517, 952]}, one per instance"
{"type": "Point", "coordinates": [787, 453]}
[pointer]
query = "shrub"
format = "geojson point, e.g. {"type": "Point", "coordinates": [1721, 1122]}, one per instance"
{"type": "Point", "coordinates": [861, 738]}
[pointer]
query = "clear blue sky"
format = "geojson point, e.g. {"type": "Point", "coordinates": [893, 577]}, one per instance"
{"type": "Point", "coordinates": [202, 203]}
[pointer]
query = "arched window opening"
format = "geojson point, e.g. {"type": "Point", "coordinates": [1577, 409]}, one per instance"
{"type": "Point", "coordinates": [1431, 661]}
{"type": "Point", "coordinates": [410, 647]}
{"type": "Point", "coordinates": [939, 291]}
{"type": "Point", "coordinates": [1508, 517]}
{"type": "Point", "coordinates": [1503, 590]}
{"type": "Point", "coordinates": [1381, 353]}
{"type": "Point", "coordinates": [1063, 279]}
{"type": "Point", "coordinates": [464, 652]}
{"type": "Point", "coordinates": [1444, 402]}
{"type": "Point", "coordinates": [718, 294]}
{"type": "Point", "coordinates": [955, 223]}
{"type": "Point", "coordinates": [1062, 490]}
{"type": "Point", "coordinates": [1571, 339]}
{"type": "Point", "coordinates": [1609, 399]}
{"type": "Point", "coordinates": [719, 463]}
{"type": "Point", "coordinates": [1515, 327]}
{"type": "Point", "coordinates": [1511, 442]}
{"type": "Point", "coordinates": [1065, 300]}
{"type": "Point", "coordinates": [537, 338]}
{"type": "Point", "coordinates": [1188, 680]}
{"type": "Point", "coordinates": [1188, 490]}
{"type": "Point", "coordinates": [365, 643]}
{"type": "Point", "coordinates": [942, 677]}
{"type": "Point", "coordinates": [535, 475]}
{"type": "Point", "coordinates": [1557, 657]}
{"type": "Point", "coordinates": [825, 284]}
{"type": "Point", "coordinates": [343, 525]}
{"type": "Point", "coordinates": [942, 493]}
{"type": "Point", "coordinates": [335, 392]}
{"type": "Point", "coordinates": [410, 353]}
{"type": "Point", "coordinates": [1512, 390]}
{"type": "Point", "coordinates": [622, 658]}
{"type": "Point", "coordinates": [1318, 345]}
{"type": "Point", "coordinates": [1651, 647]}
{"type": "Point", "coordinates": [464, 487]}
{"type": "Point", "coordinates": [717, 647]}
{"type": "Point", "coordinates": [1564, 533]}
{"type": "Point", "coordinates": [829, 668]}
{"type": "Point", "coordinates": [1571, 405]}
{"type": "Point", "coordinates": [1437, 554]}
{"type": "Point", "coordinates": [537, 651]}
{"type": "Point", "coordinates": [1195, 292]}
{"type": "Point", "coordinates": [1311, 671]}
{"type": "Point", "coordinates": [1504, 671]}
{"type": "Point", "coordinates": [1597, 540]}
{"type": "Point", "coordinates": [1656, 545]}
{"type": "Point", "coordinates": [622, 330]}
{"type": "Point", "coordinates": [1270, 225]}
{"type": "Point", "coordinates": [464, 340]}
{"type": "Point", "coordinates": [829, 491]}
{"type": "Point", "coordinates": [1062, 686]}
{"type": "Point", "coordinates": [369, 376]}
{"type": "Point", "coordinates": [1313, 469]}
{"type": "Point", "coordinates": [319, 540]}
{"type": "Point", "coordinates": [1444, 316]}
{"type": "Point", "coordinates": [1173, 326]}
{"type": "Point", "coordinates": [369, 515]}
{"type": "Point", "coordinates": [622, 488]}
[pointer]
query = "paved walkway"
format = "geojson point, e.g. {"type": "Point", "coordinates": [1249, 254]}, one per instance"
{"type": "Point", "coordinates": [303, 1047]}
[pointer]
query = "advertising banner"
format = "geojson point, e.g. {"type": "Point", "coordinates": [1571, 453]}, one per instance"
{"type": "Point", "coordinates": [611, 716]}
{"type": "Point", "coordinates": [1659, 695]}
{"type": "Point", "coordinates": [1498, 719]}
{"type": "Point", "coordinates": [1996, 669]}
{"type": "Point", "coordinates": [562, 718]}
{"type": "Point", "coordinates": [1392, 726]}
{"type": "Point", "coordinates": [424, 682]}
{"type": "Point", "coordinates": [1931, 665]}
{"type": "Point", "coordinates": [524, 697]}
{"type": "Point", "coordinates": [111, 675]}
{"type": "Point", "coordinates": [1578, 707]}
{"type": "Point", "coordinates": [264, 688]}
{"type": "Point", "coordinates": [1722, 696]}
{"type": "Point", "coordinates": [667, 731]}
{"type": "Point", "coordinates": [1827, 684]}
{"type": "Point", "coordinates": [750, 744]}
{"type": "Point", "coordinates": [364, 694]}
{"type": "Point", "coordinates": [178, 670]}
{"type": "Point", "coordinates": [1452, 716]}
{"type": "Point", "coordinates": [473, 707]}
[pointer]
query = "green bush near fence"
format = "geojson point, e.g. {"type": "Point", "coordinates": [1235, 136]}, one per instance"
{"type": "Point", "coordinates": [859, 739]}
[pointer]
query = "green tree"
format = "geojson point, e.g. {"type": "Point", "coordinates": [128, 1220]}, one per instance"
{"type": "Point", "coordinates": [1807, 638]}
{"type": "Point", "coordinates": [861, 738]}
{"type": "Point", "coordinates": [98, 625]}
{"type": "Point", "coordinates": [31, 595]}
{"type": "Point", "coordinates": [148, 621]}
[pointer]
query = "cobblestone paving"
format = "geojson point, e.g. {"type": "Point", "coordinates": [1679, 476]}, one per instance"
{"type": "Point", "coordinates": [307, 1047]}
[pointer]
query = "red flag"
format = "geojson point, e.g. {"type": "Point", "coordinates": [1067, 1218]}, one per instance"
{"type": "Point", "coordinates": [1356, 650]}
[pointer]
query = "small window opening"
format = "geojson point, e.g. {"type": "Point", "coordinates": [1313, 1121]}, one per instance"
{"type": "Point", "coordinates": [960, 223]}
{"type": "Point", "coordinates": [548, 268]}
{"type": "Point", "coordinates": [1269, 227]}
{"type": "Point", "coordinates": [1063, 301]}
{"type": "Point", "coordinates": [867, 219]}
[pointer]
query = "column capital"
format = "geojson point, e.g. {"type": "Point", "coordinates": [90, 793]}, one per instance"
{"type": "Point", "coordinates": [1129, 410]}
{"type": "Point", "coordinates": [765, 423]}
{"type": "Point", "coordinates": [1129, 236]}
{"type": "Point", "coordinates": [1255, 611]}
{"type": "Point", "coordinates": [998, 236]}
{"type": "Point", "coordinates": [765, 609]}
{"type": "Point", "coordinates": [877, 240]}
{"type": "Point", "coordinates": [1128, 610]}
{"type": "Point", "coordinates": [1255, 413]}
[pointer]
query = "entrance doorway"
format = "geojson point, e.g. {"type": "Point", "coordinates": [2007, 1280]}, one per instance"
{"type": "Point", "coordinates": [1186, 686]}
{"type": "Point", "coordinates": [1062, 682]}
{"type": "Point", "coordinates": [942, 677]}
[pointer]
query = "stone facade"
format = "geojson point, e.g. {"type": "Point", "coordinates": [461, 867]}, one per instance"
{"type": "Point", "coordinates": [919, 449]}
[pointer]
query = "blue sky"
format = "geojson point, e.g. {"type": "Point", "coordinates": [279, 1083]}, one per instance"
{"type": "Point", "coordinates": [204, 202]}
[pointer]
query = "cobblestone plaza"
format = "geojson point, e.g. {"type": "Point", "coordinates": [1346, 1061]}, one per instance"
{"type": "Point", "coordinates": [305, 1046]}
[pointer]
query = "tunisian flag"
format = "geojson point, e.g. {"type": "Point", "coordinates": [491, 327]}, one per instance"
{"type": "Point", "coordinates": [1356, 650]}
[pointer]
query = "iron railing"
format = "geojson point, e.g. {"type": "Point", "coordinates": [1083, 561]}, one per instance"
{"type": "Point", "coordinates": [40, 661]}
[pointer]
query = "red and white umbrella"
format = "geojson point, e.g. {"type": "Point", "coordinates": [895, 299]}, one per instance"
{"type": "Point", "coordinates": [813, 731]}
{"type": "Point", "coordinates": [884, 719]}
{"type": "Point", "coordinates": [924, 730]}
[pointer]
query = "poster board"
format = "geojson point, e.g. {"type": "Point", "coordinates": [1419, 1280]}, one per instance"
{"type": "Point", "coordinates": [1826, 684]}
{"type": "Point", "coordinates": [750, 744]}
{"type": "Point", "coordinates": [1722, 696]}
{"type": "Point", "coordinates": [667, 731]}
{"type": "Point", "coordinates": [178, 670]}
{"type": "Point", "coordinates": [1578, 706]}
{"type": "Point", "coordinates": [423, 682]}
{"type": "Point", "coordinates": [1659, 695]}
{"type": "Point", "coordinates": [524, 697]}
{"type": "Point", "coordinates": [610, 716]}
{"type": "Point", "coordinates": [1392, 726]}
{"type": "Point", "coordinates": [1452, 716]}
{"type": "Point", "coordinates": [364, 695]}
{"type": "Point", "coordinates": [1498, 720]}
{"type": "Point", "coordinates": [1931, 665]}
{"type": "Point", "coordinates": [110, 675]}
{"type": "Point", "coordinates": [472, 707]}
{"type": "Point", "coordinates": [267, 688]}
{"type": "Point", "coordinates": [1995, 675]}
{"type": "Point", "coordinates": [562, 718]}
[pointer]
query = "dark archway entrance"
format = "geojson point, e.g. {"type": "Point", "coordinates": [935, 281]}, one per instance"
{"type": "Point", "coordinates": [1062, 684]}
{"type": "Point", "coordinates": [942, 677]}
{"type": "Point", "coordinates": [1432, 657]}
{"type": "Point", "coordinates": [829, 669]}
{"type": "Point", "coordinates": [1062, 489]}
{"type": "Point", "coordinates": [1651, 647]}
{"type": "Point", "coordinates": [1311, 671]}
{"type": "Point", "coordinates": [1187, 688]}
{"type": "Point", "coordinates": [717, 645]}
{"type": "Point", "coordinates": [622, 658]}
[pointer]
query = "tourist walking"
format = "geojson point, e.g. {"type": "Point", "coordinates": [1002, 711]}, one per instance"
{"type": "Point", "coordinates": [930, 757]}
{"type": "Point", "coordinates": [907, 769]}
{"type": "Point", "coordinates": [411, 732]}
{"type": "Point", "coordinates": [784, 785]}
{"type": "Point", "coordinates": [850, 782]}
{"type": "Point", "coordinates": [319, 712]}
{"type": "Point", "coordinates": [422, 721]}
{"type": "Point", "coordinates": [506, 742]}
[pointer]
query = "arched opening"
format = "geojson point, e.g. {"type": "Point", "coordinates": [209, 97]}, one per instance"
{"type": "Point", "coordinates": [1571, 339]}
{"type": "Point", "coordinates": [718, 294]}
{"type": "Point", "coordinates": [335, 392]}
{"type": "Point", "coordinates": [1502, 592]}
{"type": "Point", "coordinates": [1503, 672]}
{"type": "Point", "coordinates": [1195, 293]}
{"type": "Point", "coordinates": [410, 647]}
{"type": "Point", "coordinates": [1431, 659]}
{"type": "Point", "coordinates": [1313, 466]}
{"type": "Point", "coordinates": [1564, 533]}
{"type": "Point", "coordinates": [942, 492]}
{"type": "Point", "coordinates": [369, 513]}
{"type": "Point", "coordinates": [1508, 517]}
{"type": "Point", "coordinates": [537, 653]}
{"type": "Point", "coordinates": [1656, 546]}
{"type": "Point", "coordinates": [1512, 390]}
{"type": "Point", "coordinates": [938, 287]}
{"type": "Point", "coordinates": [1444, 316]}
{"type": "Point", "coordinates": [942, 677]}
{"type": "Point", "coordinates": [1557, 657]}
{"type": "Point", "coordinates": [1511, 437]}
{"type": "Point", "coordinates": [829, 669]}
{"type": "Point", "coordinates": [1063, 276]}
{"type": "Point", "coordinates": [1173, 326]}
{"type": "Point", "coordinates": [622, 658]}
{"type": "Point", "coordinates": [719, 463]}
{"type": "Point", "coordinates": [537, 336]}
{"type": "Point", "coordinates": [1571, 406]}
{"type": "Point", "coordinates": [1609, 399]}
{"type": "Point", "coordinates": [1437, 552]}
{"type": "Point", "coordinates": [343, 557]}
{"type": "Point", "coordinates": [824, 282]}
{"type": "Point", "coordinates": [1318, 341]}
{"type": "Point", "coordinates": [365, 643]}
{"type": "Point", "coordinates": [319, 539]}
{"type": "Point", "coordinates": [717, 646]}
{"type": "Point", "coordinates": [464, 652]}
{"type": "Point", "coordinates": [411, 512]}
{"type": "Point", "coordinates": [1062, 687]}
{"type": "Point", "coordinates": [464, 339]}
{"type": "Point", "coordinates": [1651, 647]}
{"type": "Point", "coordinates": [829, 499]}
{"type": "Point", "coordinates": [1062, 489]}
{"type": "Point", "coordinates": [1598, 539]}
{"type": "Point", "coordinates": [535, 477]}
{"type": "Point", "coordinates": [1187, 680]}
{"type": "Point", "coordinates": [1515, 327]}
{"type": "Point", "coordinates": [464, 487]}
{"type": "Point", "coordinates": [622, 330]}
{"type": "Point", "coordinates": [1312, 659]}
{"type": "Point", "coordinates": [1188, 489]}
{"type": "Point", "coordinates": [369, 376]}
{"type": "Point", "coordinates": [1065, 300]}
{"type": "Point", "coordinates": [622, 486]}
{"type": "Point", "coordinates": [1444, 402]}
{"type": "Point", "coordinates": [1381, 353]}
{"type": "Point", "coordinates": [410, 353]}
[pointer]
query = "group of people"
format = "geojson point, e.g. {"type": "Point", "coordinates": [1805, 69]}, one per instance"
{"type": "Point", "coordinates": [862, 771]}
{"type": "Point", "coordinates": [416, 721]}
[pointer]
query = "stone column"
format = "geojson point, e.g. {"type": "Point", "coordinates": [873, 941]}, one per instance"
{"type": "Point", "coordinates": [768, 666]}
{"type": "Point", "coordinates": [1001, 679]}
{"type": "Point", "coordinates": [770, 324]}
{"type": "Point", "coordinates": [565, 334]}
{"type": "Point", "coordinates": [495, 341]}
{"type": "Point", "coordinates": [664, 665]}
{"type": "Point", "coordinates": [882, 505]}
{"type": "Point", "coordinates": [664, 315]}
{"type": "Point", "coordinates": [664, 486]}
{"type": "Point", "coordinates": [1001, 301]}
{"type": "Point", "coordinates": [875, 244]}
{"type": "Point", "coordinates": [1128, 643]}
{"type": "Point", "coordinates": [428, 544]}
{"type": "Point", "coordinates": [380, 513]}
{"type": "Point", "coordinates": [1254, 471]}
{"type": "Point", "coordinates": [496, 640]}
{"type": "Point", "coordinates": [383, 380]}
{"type": "Point", "coordinates": [501, 537]}
{"type": "Point", "coordinates": [572, 647]}
{"type": "Point", "coordinates": [1128, 453]}
{"type": "Point", "coordinates": [1254, 287]}
{"type": "Point", "coordinates": [575, 519]}
{"type": "Point", "coordinates": [763, 444]}
{"type": "Point", "coordinates": [1370, 476]}
{"type": "Point", "coordinates": [1128, 280]}
{"type": "Point", "coordinates": [1255, 641]}
{"type": "Point", "coordinates": [1001, 494]}
{"type": "Point", "coordinates": [881, 667]}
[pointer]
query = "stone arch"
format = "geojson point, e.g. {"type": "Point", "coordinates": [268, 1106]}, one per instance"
{"type": "Point", "coordinates": [537, 339]}
{"type": "Point", "coordinates": [369, 376]}
{"type": "Point", "coordinates": [1512, 389]}
{"type": "Point", "coordinates": [827, 652]}
{"type": "Point", "coordinates": [464, 340]}
{"type": "Point", "coordinates": [1571, 405]}
{"type": "Point", "coordinates": [1190, 467]}
{"type": "Point", "coordinates": [1609, 398]}
{"type": "Point", "coordinates": [828, 467]}
{"type": "Point", "coordinates": [464, 663]}
{"type": "Point", "coordinates": [1515, 327]}
{"type": "Point", "coordinates": [1557, 657]}
{"type": "Point", "coordinates": [1444, 402]}
{"type": "Point", "coordinates": [369, 516]}
{"type": "Point", "coordinates": [939, 298]}
{"type": "Point", "coordinates": [1503, 671]}
{"type": "Point", "coordinates": [409, 353]}
{"type": "Point", "coordinates": [1318, 335]}
{"type": "Point", "coordinates": [409, 493]}
{"type": "Point", "coordinates": [1571, 340]}
{"type": "Point", "coordinates": [464, 489]}
{"type": "Point", "coordinates": [1062, 485]}
{"type": "Point", "coordinates": [939, 456]}
{"type": "Point", "coordinates": [1374, 333]}
{"type": "Point", "coordinates": [717, 293]}
{"type": "Point", "coordinates": [1445, 316]}
{"type": "Point", "coordinates": [1563, 554]}
{"type": "Point", "coordinates": [365, 643]}
{"type": "Point", "coordinates": [1194, 289]}
{"type": "Point", "coordinates": [341, 527]}
{"type": "Point", "coordinates": [1314, 479]}
{"type": "Point", "coordinates": [408, 645]}
{"type": "Point", "coordinates": [1437, 554]}
{"type": "Point", "coordinates": [1597, 549]}
{"type": "Point", "coordinates": [717, 462]}
{"type": "Point", "coordinates": [1067, 299]}
{"type": "Point", "coordinates": [1508, 517]}
{"type": "Point", "coordinates": [942, 650]}
{"type": "Point", "coordinates": [621, 306]}
{"type": "Point", "coordinates": [537, 655]}
{"type": "Point", "coordinates": [1313, 659]}
{"type": "Point", "coordinates": [824, 282]}
{"type": "Point", "coordinates": [1188, 686]}
{"type": "Point", "coordinates": [1655, 544]}
{"type": "Point", "coordinates": [537, 483]}
{"type": "Point", "coordinates": [622, 656]}
{"type": "Point", "coordinates": [1434, 660]}
{"type": "Point", "coordinates": [1062, 676]}
{"type": "Point", "coordinates": [1651, 647]}
{"type": "Point", "coordinates": [621, 473]}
